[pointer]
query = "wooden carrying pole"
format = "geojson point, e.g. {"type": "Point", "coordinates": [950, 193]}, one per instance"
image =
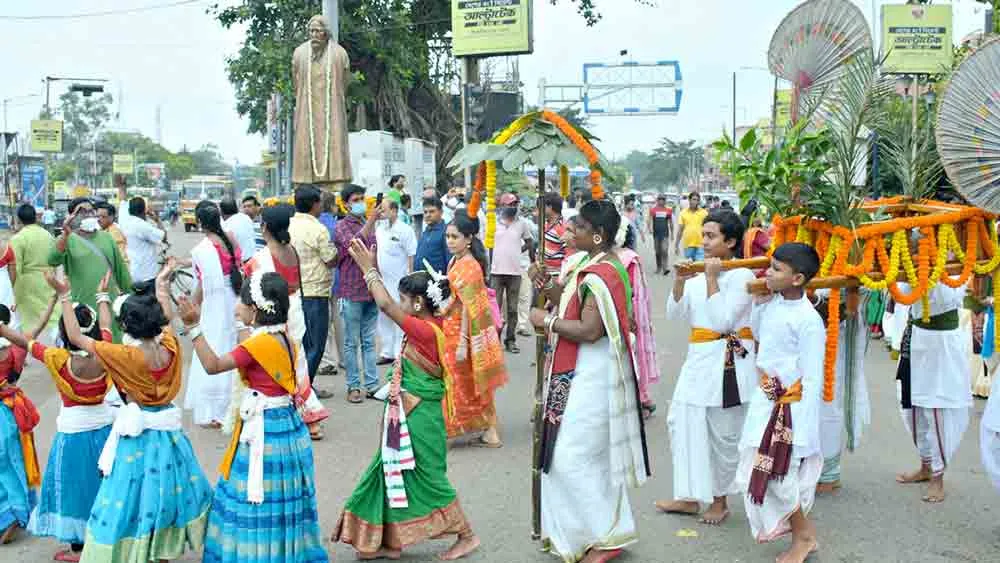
{"type": "Point", "coordinates": [758, 287]}
{"type": "Point", "coordinates": [536, 419]}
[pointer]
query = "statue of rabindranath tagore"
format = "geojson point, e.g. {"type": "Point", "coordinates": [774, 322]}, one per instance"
{"type": "Point", "coordinates": [320, 73]}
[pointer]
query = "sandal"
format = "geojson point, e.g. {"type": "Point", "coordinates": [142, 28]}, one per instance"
{"type": "Point", "coordinates": [481, 443]}
{"type": "Point", "coordinates": [355, 396]}
{"type": "Point", "coordinates": [512, 348]}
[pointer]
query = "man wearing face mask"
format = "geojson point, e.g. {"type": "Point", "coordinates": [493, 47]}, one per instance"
{"type": "Point", "coordinates": [87, 253]}
{"type": "Point", "coordinates": [513, 236]}
{"type": "Point", "coordinates": [357, 308]}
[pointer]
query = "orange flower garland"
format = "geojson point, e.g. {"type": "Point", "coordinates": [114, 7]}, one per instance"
{"type": "Point", "coordinates": [588, 150]}
{"type": "Point", "coordinates": [475, 199]}
{"type": "Point", "coordinates": [926, 269]}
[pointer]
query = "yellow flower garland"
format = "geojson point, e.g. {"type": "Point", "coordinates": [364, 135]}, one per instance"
{"type": "Point", "coordinates": [564, 181]}
{"type": "Point", "coordinates": [491, 203]}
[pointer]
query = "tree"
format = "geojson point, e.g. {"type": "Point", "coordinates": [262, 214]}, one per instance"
{"type": "Point", "coordinates": [673, 162]}
{"type": "Point", "coordinates": [995, 4]}
{"type": "Point", "coordinates": [399, 51]}
{"type": "Point", "coordinates": [208, 161]}
{"type": "Point", "coordinates": [82, 118]}
{"type": "Point", "coordinates": [588, 9]}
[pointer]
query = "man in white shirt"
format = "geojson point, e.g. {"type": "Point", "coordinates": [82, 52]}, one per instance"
{"type": "Point", "coordinates": [143, 239]}
{"type": "Point", "coordinates": [513, 236]}
{"type": "Point", "coordinates": [396, 244]}
{"type": "Point", "coordinates": [240, 225]}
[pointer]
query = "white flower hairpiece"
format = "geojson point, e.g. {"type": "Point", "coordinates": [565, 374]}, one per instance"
{"type": "Point", "coordinates": [622, 232]}
{"type": "Point", "coordinates": [434, 290]}
{"type": "Point", "coordinates": [116, 307]}
{"type": "Point", "coordinates": [257, 293]}
{"type": "Point", "coordinates": [93, 318]}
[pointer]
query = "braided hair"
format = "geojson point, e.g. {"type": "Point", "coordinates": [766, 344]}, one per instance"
{"type": "Point", "coordinates": [210, 219]}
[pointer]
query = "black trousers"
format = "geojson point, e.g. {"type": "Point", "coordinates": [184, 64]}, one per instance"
{"type": "Point", "coordinates": [508, 288]}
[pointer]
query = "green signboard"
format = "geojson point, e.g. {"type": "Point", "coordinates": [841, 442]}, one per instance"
{"type": "Point", "coordinates": [917, 38]}
{"type": "Point", "coordinates": [491, 27]}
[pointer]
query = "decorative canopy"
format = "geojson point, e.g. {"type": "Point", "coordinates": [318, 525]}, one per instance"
{"type": "Point", "coordinates": [815, 40]}
{"type": "Point", "coordinates": [968, 127]}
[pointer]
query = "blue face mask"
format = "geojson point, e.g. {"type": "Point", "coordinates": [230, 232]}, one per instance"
{"type": "Point", "coordinates": [358, 208]}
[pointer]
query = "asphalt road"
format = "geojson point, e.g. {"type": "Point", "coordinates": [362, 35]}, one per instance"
{"type": "Point", "coordinates": [870, 519]}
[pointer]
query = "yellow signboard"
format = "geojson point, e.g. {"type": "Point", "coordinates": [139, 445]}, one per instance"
{"type": "Point", "coordinates": [46, 135]}
{"type": "Point", "coordinates": [917, 38]}
{"type": "Point", "coordinates": [491, 27]}
{"type": "Point", "coordinates": [81, 191]}
{"type": "Point", "coordinates": [783, 108]}
{"type": "Point", "coordinates": [122, 164]}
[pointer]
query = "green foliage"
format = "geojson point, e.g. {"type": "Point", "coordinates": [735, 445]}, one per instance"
{"type": "Point", "coordinates": [588, 8]}
{"type": "Point", "coordinates": [910, 156]}
{"type": "Point", "coordinates": [786, 178]}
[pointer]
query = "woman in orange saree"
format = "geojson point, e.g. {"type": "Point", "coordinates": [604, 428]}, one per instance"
{"type": "Point", "coordinates": [473, 351]}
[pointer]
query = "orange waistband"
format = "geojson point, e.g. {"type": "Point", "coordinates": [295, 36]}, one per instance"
{"type": "Point", "coordinates": [703, 335]}
{"type": "Point", "coordinates": [792, 395]}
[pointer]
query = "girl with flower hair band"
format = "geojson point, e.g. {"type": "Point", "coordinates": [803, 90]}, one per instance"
{"type": "Point", "coordinates": [264, 509]}
{"type": "Point", "coordinates": [404, 497]}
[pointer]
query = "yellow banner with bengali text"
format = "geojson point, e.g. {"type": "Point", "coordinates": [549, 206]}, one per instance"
{"type": "Point", "coordinates": [491, 27]}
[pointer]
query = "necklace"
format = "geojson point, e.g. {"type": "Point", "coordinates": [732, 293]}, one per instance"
{"type": "Point", "coordinates": [326, 105]}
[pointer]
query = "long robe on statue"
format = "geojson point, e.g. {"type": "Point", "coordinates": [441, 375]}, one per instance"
{"type": "Point", "coordinates": [323, 82]}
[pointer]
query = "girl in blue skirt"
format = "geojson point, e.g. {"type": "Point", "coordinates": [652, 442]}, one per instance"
{"type": "Point", "coordinates": [251, 522]}
{"type": "Point", "coordinates": [153, 502]}
{"type": "Point", "coordinates": [19, 471]}
{"type": "Point", "coordinates": [71, 478]}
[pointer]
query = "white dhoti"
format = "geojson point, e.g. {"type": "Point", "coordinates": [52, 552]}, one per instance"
{"type": "Point", "coordinates": [704, 443]}
{"type": "Point", "coordinates": [936, 432]}
{"type": "Point", "coordinates": [770, 520]}
{"type": "Point", "coordinates": [989, 436]}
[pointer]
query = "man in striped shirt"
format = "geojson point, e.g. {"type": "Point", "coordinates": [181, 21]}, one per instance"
{"type": "Point", "coordinates": [555, 248]}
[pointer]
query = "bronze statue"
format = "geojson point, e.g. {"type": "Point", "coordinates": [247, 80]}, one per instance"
{"type": "Point", "coordinates": [320, 73]}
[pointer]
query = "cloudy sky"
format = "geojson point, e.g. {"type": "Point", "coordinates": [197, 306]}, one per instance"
{"type": "Point", "coordinates": [174, 58]}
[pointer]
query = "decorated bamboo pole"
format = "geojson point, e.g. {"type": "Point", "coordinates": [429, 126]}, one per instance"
{"type": "Point", "coordinates": [536, 438]}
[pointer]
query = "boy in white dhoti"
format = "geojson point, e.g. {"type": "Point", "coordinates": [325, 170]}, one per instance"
{"type": "Point", "coordinates": [780, 454]}
{"type": "Point", "coordinates": [933, 374]}
{"type": "Point", "coordinates": [707, 411]}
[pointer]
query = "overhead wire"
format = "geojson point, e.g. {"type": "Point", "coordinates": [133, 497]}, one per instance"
{"type": "Point", "coordinates": [116, 12]}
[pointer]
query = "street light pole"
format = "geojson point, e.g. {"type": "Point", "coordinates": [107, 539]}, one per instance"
{"type": "Point", "coordinates": [734, 107]}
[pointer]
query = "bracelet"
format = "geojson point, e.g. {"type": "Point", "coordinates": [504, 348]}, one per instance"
{"type": "Point", "coordinates": [66, 297]}
{"type": "Point", "coordinates": [103, 297]}
{"type": "Point", "coordinates": [551, 323]}
{"type": "Point", "coordinates": [194, 332]}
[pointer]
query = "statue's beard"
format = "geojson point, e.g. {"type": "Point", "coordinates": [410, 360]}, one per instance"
{"type": "Point", "coordinates": [318, 47]}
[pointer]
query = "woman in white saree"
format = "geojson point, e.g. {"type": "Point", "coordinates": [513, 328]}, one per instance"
{"type": "Point", "coordinates": [216, 260]}
{"type": "Point", "coordinates": [593, 441]}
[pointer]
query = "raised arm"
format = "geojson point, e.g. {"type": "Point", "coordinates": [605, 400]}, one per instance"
{"type": "Point", "coordinates": [212, 363]}
{"type": "Point", "coordinates": [366, 261]}
{"type": "Point", "coordinates": [73, 332]}
{"type": "Point", "coordinates": [163, 288]}
{"type": "Point", "coordinates": [44, 320]}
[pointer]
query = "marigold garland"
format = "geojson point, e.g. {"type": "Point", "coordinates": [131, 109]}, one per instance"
{"type": "Point", "coordinates": [491, 203]}
{"type": "Point", "coordinates": [584, 146]}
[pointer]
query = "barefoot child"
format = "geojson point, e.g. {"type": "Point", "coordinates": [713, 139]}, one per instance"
{"type": "Point", "coordinates": [717, 378]}
{"type": "Point", "coordinates": [780, 456]}
{"type": "Point", "coordinates": [934, 388]}
{"type": "Point", "coordinates": [71, 478]}
{"type": "Point", "coordinates": [19, 471]}
{"type": "Point", "coordinates": [404, 497]}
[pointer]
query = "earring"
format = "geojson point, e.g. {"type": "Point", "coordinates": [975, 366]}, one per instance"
{"type": "Point", "coordinates": [598, 240]}
{"type": "Point", "coordinates": [417, 307]}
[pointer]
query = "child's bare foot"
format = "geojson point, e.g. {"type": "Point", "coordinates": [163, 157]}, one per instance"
{"type": "Point", "coordinates": [921, 475]}
{"type": "Point", "coordinates": [678, 507]}
{"type": "Point", "coordinates": [935, 490]}
{"type": "Point", "coordinates": [600, 556]}
{"type": "Point", "coordinates": [461, 548]}
{"type": "Point", "coordinates": [827, 488]}
{"type": "Point", "coordinates": [716, 513]}
{"type": "Point", "coordinates": [799, 551]}
{"type": "Point", "coordinates": [381, 554]}
{"type": "Point", "coordinates": [9, 534]}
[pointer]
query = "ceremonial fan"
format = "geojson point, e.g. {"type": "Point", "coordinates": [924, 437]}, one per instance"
{"type": "Point", "coordinates": [968, 127]}
{"type": "Point", "coordinates": [814, 41]}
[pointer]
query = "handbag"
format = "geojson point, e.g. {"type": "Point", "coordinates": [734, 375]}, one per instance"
{"type": "Point", "coordinates": [491, 296]}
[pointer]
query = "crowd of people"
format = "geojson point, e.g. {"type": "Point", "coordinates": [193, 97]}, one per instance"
{"type": "Point", "coordinates": [283, 293]}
